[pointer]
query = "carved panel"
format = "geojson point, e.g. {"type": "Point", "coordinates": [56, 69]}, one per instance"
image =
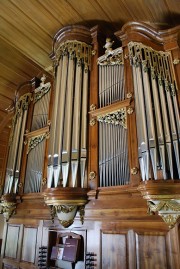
{"type": "Point", "coordinates": [151, 251]}
{"type": "Point", "coordinates": [29, 244]}
{"type": "Point", "coordinates": [12, 236]}
{"type": "Point", "coordinates": [114, 251]}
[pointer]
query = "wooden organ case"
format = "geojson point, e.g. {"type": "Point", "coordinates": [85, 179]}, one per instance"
{"type": "Point", "coordinates": [113, 153]}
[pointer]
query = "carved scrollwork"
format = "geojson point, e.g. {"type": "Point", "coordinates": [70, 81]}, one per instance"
{"type": "Point", "coordinates": [66, 223]}
{"type": "Point", "coordinates": [159, 68]}
{"type": "Point", "coordinates": [112, 57]}
{"type": "Point", "coordinates": [34, 141]}
{"type": "Point", "coordinates": [117, 118]}
{"type": "Point", "coordinates": [169, 210]}
{"type": "Point", "coordinates": [64, 208]}
{"type": "Point", "coordinates": [77, 49]}
{"type": "Point", "coordinates": [8, 209]}
{"type": "Point", "coordinates": [164, 205]}
{"type": "Point", "coordinates": [52, 212]}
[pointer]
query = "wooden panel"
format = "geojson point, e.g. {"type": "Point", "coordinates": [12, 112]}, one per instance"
{"type": "Point", "coordinates": [114, 251]}
{"type": "Point", "coordinates": [151, 251]}
{"type": "Point", "coordinates": [11, 247]}
{"type": "Point", "coordinates": [29, 245]}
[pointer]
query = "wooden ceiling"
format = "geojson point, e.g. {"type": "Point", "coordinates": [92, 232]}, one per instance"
{"type": "Point", "coordinates": [28, 26]}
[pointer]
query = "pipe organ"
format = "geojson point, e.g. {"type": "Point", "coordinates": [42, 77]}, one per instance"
{"type": "Point", "coordinates": [114, 143]}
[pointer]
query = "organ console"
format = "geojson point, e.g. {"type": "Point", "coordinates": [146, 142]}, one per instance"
{"type": "Point", "coordinates": [114, 124]}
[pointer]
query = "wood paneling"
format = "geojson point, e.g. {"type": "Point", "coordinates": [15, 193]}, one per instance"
{"type": "Point", "coordinates": [12, 238]}
{"type": "Point", "coordinates": [114, 253]}
{"type": "Point", "coordinates": [151, 251]}
{"type": "Point", "coordinates": [29, 244]}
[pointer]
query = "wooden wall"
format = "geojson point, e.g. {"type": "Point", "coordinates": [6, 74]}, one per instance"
{"type": "Point", "coordinates": [117, 231]}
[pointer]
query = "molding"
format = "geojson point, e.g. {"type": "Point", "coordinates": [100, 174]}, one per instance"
{"type": "Point", "coordinates": [138, 31]}
{"type": "Point", "coordinates": [73, 32]}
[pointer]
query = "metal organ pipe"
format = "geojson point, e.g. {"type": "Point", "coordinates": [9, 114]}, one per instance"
{"type": "Point", "coordinates": [16, 144]}
{"type": "Point", "coordinates": [156, 111]}
{"type": "Point", "coordinates": [69, 134]}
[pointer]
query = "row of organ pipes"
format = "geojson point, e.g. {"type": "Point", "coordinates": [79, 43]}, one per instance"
{"type": "Point", "coordinates": [157, 113]}
{"type": "Point", "coordinates": [157, 120]}
{"type": "Point", "coordinates": [113, 149]}
{"type": "Point", "coordinates": [68, 140]}
{"type": "Point", "coordinates": [39, 99]}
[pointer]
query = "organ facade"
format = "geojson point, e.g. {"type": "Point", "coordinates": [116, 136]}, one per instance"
{"type": "Point", "coordinates": [95, 147]}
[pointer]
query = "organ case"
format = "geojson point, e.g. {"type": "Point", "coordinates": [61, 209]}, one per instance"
{"type": "Point", "coordinates": [129, 143]}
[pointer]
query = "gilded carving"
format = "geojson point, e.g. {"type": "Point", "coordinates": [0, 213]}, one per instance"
{"type": "Point", "coordinates": [34, 141]}
{"type": "Point", "coordinates": [42, 89]}
{"type": "Point", "coordinates": [117, 118]}
{"type": "Point", "coordinates": [64, 208]}
{"type": "Point", "coordinates": [77, 49]}
{"type": "Point", "coordinates": [52, 212]}
{"type": "Point", "coordinates": [134, 171]}
{"type": "Point", "coordinates": [129, 95]}
{"type": "Point", "coordinates": [92, 175]}
{"type": "Point", "coordinates": [155, 61]}
{"type": "Point", "coordinates": [66, 223]}
{"type": "Point", "coordinates": [176, 61]}
{"type": "Point", "coordinates": [111, 57]}
{"type": "Point", "coordinates": [82, 213]}
{"type": "Point", "coordinates": [130, 110]}
{"type": "Point", "coordinates": [44, 181]}
{"type": "Point", "coordinates": [92, 122]}
{"type": "Point", "coordinates": [92, 107]}
{"type": "Point", "coordinates": [164, 205]}
{"type": "Point", "coordinates": [8, 209]}
{"type": "Point", "coordinates": [170, 219]}
{"type": "Point", "coordinates": [169, 210]}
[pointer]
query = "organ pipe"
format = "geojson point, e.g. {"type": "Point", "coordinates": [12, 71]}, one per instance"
{"type": "Point", "coordinates": [16, 140]}
{"type": "Point", "coordinates": [157, 110]}
{"type": "Point", "coordinates": [67, 156]}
